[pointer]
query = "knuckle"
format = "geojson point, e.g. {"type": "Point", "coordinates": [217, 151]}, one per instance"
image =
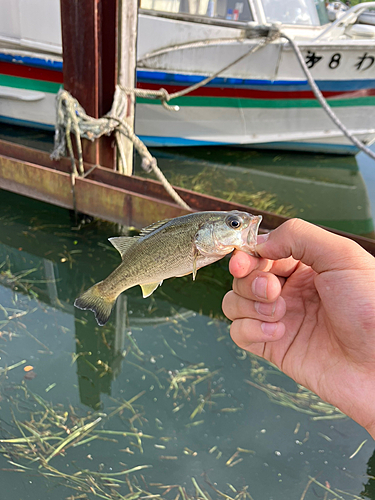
{"type": "Point", "coordinates": [296, 225]}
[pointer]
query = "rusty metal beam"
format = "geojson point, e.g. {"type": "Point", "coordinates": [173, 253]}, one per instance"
{"type": "Point", "coordinates": [106, 194]}
{"type": "Point", "coordinates": [89, 37]}
{"type": "Point", "coordinates": [92, 197]}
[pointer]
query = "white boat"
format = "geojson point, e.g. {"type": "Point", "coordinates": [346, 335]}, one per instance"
{"type": "Point", "coordinates": [263, 100]}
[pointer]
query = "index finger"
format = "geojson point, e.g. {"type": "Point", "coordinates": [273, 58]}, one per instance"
{"type": "Point", "coordinates": [242, 264]}
{"type": "Point", "coordinates": [315, 247]}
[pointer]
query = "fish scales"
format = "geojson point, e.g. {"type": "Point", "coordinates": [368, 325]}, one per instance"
{"type": "Point", "coordinates": [171, 248]}
{"type": "Point", "coordinates": [151, 248]}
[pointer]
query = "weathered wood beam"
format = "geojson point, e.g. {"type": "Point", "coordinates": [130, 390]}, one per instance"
{"type": "Point", "coordinates": [127, 60]}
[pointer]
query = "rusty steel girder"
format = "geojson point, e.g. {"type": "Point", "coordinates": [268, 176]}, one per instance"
{"type": "Point", "coordinates": [90, 47]}
{"type": "Point", "coordinates": [106, 194]}
{"type": "Point", "coordinates": [88, 196]}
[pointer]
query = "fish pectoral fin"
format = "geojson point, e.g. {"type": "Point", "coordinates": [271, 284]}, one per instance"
{"type": "Point", "coordinates": [123, 243]}
{"type": "Point", "coordinates": [149, 288]}
{"type": "Point", "coordinates": [195, 260]}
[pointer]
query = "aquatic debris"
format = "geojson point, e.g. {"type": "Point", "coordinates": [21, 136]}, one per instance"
{"type": "Point", "coordinates": [327, 488]}
{"type": "Point", "coordinates": [30, 375]}
{"type": "Point", "coordinates": [11, 367]}
{"type": "Point", "coordinates": [215, 181]}
{"type": "Point", "coordinates": [52, 430]}
{"type": "Point", "coordinates": [303, 401]}
{"type": "Point", "coordinates": [170, 248]}
{"type": "Point", "coordinates": [182, 382]}
{"type": "Point", "coordinates": [358, 449]}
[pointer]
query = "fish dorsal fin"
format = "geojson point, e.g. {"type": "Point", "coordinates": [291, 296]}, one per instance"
{"type": "Point", "coordinates": [123, 243]}
{"type": "Point", "coordinates": [149, 288]}
{"type": "Point", "coordinates": [155, 225]}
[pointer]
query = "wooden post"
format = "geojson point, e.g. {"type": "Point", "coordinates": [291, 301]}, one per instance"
{"type": "Point", "coordinates": [127, 45]}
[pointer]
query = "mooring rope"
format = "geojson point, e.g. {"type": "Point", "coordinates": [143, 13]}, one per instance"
{"type": "Point", "coordinates": [273, 33]}
{"type": "Point", "coordinates": [323, 102]}
{"type": "Point", "coordinates": [164, 96]}
{"type": "Point", "coordinates": [72, 118]}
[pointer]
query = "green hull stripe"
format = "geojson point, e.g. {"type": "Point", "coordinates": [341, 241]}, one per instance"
{"type": "Point", "coordinates": [200, 102]}
{"type": "Point", "coordinates": [228, 102]}
{"type": "Point", "coordinates": [26, 83]}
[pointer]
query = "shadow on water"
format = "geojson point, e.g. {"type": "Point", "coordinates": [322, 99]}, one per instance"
{"type": "Point", "coordinates": [160, 386]}
{"type": "Point", "coordinates": [330, 190]}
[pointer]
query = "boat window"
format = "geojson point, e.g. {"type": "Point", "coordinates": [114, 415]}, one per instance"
{"type": "Point", "coordinates": [322, 11]}
{"type": "Point", "coordinates": [223, 9]}
{"type": "Point", "coordinates": [303, 12]}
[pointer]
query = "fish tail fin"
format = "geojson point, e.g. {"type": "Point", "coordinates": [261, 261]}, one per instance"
{"type": "Point", "coordinates": [93, 300]}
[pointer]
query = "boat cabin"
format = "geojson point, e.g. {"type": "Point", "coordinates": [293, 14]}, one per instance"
{"type": "Point", "coordinates": [289, 12]}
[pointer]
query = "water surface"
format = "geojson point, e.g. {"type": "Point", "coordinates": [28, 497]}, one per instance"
{"type": "Point", "coordinates": [160, 401]}
{"type": "Point", "coordinates": [193, 418]}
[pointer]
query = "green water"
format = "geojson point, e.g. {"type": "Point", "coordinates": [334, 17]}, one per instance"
{"type": "Point", "coordinates": [84, 372]}
{"type": "Point", "coordinates": [324, 189]}
{"type": "Point", "coordinates": [161, 389]}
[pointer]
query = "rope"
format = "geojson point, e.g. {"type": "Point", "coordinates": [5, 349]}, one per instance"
{"type": "Point", "coordinates": [72, 118]}
{"type": "Point", "coordinates": [269, 33]}
{"type": "Point", "coordinates": [164, 96]}
{"type": "Point", "coordinates": [323, 102]}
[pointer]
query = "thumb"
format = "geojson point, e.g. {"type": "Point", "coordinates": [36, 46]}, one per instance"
{"type": "Point", "coordinates": [314, 246]}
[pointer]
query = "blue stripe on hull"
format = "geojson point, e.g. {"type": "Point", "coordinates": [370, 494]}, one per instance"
{"type": "Point", "coordinates": [160, 77]}
{"type": "Point", "coordinates": [281, 85]}
{"type": "Point", "coordinates": [26, 123]}
{"type": "Point", "coordinates": [311, 147]}
{"type": "Point", "coordinates": [154, 141]}
{"type": "Point", "coordinates": [36, 62]}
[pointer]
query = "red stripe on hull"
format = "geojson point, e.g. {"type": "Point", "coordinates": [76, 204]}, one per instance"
{"type": "Point", "coordinates": [254, 93]}
{"type": "Point", "coordinates": [20, 70]}
{"type": "Point", "coordinates": [56, 76]}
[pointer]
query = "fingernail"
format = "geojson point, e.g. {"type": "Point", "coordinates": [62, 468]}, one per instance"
{"type": "Point", "coordinates": [265, 309]}
{"type": "Point", "coordinates": [262, 238]}
{"type": "Point", "coordinates": [259, 287]}
{"type": "Point", "coordinates": [268, 328]}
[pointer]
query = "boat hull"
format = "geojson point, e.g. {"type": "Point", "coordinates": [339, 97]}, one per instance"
{"type": "Point", "coordinates": [261, 101]}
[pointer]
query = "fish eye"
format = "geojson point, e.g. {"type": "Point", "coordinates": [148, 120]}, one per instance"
{"type": "Point", "coordinates": [234, 222]}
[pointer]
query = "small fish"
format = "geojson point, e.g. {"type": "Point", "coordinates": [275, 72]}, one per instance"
{"type": "Point", "coordinates": [170, 248]}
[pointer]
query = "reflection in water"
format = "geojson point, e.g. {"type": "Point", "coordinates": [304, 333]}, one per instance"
{"type": "Point", "coordinates": [160, 386]}
{"type": "Point", "coordinates": [369, 487]}
{"type": "Point", "coordinates": [326, 190]}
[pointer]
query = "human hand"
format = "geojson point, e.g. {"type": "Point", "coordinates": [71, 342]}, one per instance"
{"type": "Point", "coordinates": [308, 306]}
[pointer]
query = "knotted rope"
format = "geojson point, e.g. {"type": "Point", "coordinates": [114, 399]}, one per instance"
{"type": "Point", "coordinates": [72, 118]}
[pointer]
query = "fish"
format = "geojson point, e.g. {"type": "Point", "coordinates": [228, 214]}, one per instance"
{"type": "Point", "coordinates": [170, 248]}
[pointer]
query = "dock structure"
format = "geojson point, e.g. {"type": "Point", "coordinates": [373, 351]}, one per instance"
{"type": "Point", "coordinates": [91, 32]}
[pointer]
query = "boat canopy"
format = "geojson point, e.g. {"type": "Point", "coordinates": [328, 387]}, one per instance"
{"type": "Point", "coordinates": [290, 12]}
{"type": "Point", "coordinates": [298, 12]}
{"type": "Point", "coordinates": [223, 9]}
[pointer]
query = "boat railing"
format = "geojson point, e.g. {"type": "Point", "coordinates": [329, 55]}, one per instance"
{"type": "Point", "coordinates": [338, 27]}
{"type": "Point", "coordinates": [181, 16]}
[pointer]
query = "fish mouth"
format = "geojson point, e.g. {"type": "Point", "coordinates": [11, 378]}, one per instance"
{"type": "Point", "coordinates": [253, 233]}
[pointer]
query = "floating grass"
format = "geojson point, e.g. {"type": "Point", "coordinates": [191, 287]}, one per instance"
{"type": "Point", "coordinates": [303, 400]}
{"type": "Point", "coordinates": [216, 182]}
{"type": "Point", "coordinates": [182, 382]}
